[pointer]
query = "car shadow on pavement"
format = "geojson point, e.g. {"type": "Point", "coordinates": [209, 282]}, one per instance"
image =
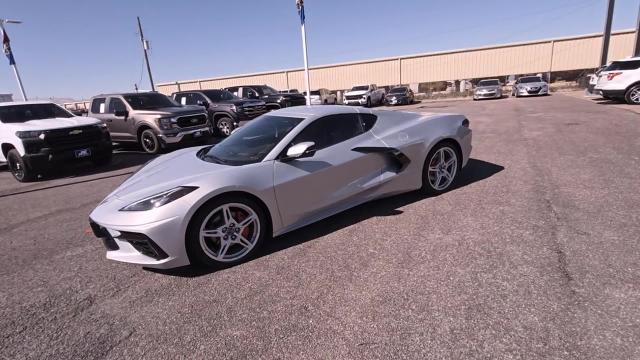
{"type": "Point", "coordinates": [121, 160]}
{"type": "Point", "coordinates": [476, 170]}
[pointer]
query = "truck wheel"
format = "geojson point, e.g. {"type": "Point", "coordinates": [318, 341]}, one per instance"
{"type": "Point", "coordinates": [368, 102]}
{"type": "Point", "coordinates": [633, 95]}
{"type": "Point", "coordinates": [225, 126]}
{"type": "Point", "coordinates": [19, 169]}
{"type": "Point", "coordinates": [149, 142]}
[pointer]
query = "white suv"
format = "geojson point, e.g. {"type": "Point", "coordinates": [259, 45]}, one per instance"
{"type": "Point", "coordinates": [620, 80]}
{"type": "Point", "coordinates": [34, 135]}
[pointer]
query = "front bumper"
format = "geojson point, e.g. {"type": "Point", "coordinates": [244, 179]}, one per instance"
{"type": "Point", "coordinates": [185, 135]}
{"type": "Point", "coordinates": [355, 102]}
{"type": "Point", "coordinates": [41, 158]}
{"type": "Point", "coordinates": [159, 244]}
{"type": "Point", "coordinates": [525, 92]}
{"type": "Point", "coordinates": [487, 95]}
{"type": "Point", "coordinates": [396, 101]}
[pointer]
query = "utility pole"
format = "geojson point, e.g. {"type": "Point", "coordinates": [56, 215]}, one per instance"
{"type": "Point", "coordinates": [607, 33]}
{"type": "Point", "coordinates": [9, 53]}
{"type": "Point", "coordinates": [636, 48]}
{"type": "Point", "coordinates": [145, 47]}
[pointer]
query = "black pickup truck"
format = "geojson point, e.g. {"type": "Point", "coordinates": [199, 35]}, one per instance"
{"type": "Point", "coordinates": [226, 111]}
{"type": "Point", "coordinates": [272, 97]}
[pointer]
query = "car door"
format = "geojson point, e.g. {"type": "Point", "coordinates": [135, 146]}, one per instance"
{"type": "Point", "coordinates": [120, 127]}
{"type": "Point", "coordinates": [334, 177]}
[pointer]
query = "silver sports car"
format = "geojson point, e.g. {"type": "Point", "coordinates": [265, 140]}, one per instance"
{"type": "Point", "coordinates": [215, 205]}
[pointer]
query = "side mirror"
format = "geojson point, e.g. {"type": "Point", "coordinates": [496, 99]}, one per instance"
{"type": "Point", "coordinates": [203, 103]}
{"type": "Point", "coordinates": [303, 149]}
{"type": "Point", "coordinates": [122, 113]}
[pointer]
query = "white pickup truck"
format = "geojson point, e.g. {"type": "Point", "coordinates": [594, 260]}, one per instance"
{"type": "Point", "coordinates": [34, 135]}
{"type": "Point", "coordinates": [367, 95]}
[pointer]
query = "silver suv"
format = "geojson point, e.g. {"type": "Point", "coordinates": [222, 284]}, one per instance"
{"type": "Point", "coordinates": [151, 119]}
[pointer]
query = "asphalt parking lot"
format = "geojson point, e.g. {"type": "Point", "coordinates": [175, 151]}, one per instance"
{"type": "Point", "coordinates": [535, 254]}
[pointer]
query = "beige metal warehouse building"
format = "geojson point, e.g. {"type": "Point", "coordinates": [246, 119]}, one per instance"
{"type": "Point", "coordinates": [541, 56]}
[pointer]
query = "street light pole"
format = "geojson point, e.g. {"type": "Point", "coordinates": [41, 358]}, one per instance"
{"type": "Point", "coordinates": [607, 33]}
{"type": "Point", "coordinates": [300, 6]}
{"type": "Point", "coordinates": [9, 53]}
{"type": "Point", "coordinates": [636, 48]}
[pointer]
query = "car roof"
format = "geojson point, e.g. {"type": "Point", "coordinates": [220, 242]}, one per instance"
{"type": "Point", "coordinates": [635, 58]}
{"type": "Point", "coordinates": [496, 79]}
{"type": "Point", "coordinates": [31, 102]}
{"type": "Point", "coordinates": [306, 111]}
{"type": "Point", "coordinates": [126, 94]}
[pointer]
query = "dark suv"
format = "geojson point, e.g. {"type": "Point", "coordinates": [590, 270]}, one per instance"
{"type": "Point", "coordinates": [226, 111]}
{"type": "Point", "coordinates": [272, 97]}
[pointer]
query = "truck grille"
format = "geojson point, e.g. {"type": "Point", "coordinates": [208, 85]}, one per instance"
{"type": "Point", "coordinates": [353, 97]}
{"type": "Point", "coordinates": [253, 111]}
{"type": "Point", "coordinates": [72, 138]}
{"type": "Point", "coordinates": [192, 120]}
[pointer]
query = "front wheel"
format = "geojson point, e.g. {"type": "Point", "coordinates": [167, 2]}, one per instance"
{"type": "Point", "coordinates": [149, 142]}
{"type": "Point", "coordinates": [633, 95]}
{"type": "Point", "coordinates": [368, 102]}
{"type": "Point", "coordinates": [225, 126]}
{"type": "Point", "coordinates": [440, 169]}
{"type": "Point", "coordinates": [18, 168]}
{"type": "Point", "coordinates": [226, 231]}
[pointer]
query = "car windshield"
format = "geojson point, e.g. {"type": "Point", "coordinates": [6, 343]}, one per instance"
{"type": "Point", "coordinates": [398, 90]}
{"type": "Point", "coordinates": [149, 101]}
{"type": "Point", "coordinates": [266, 90]}
{"type": "Point", "coordinates": [532, 79]}
{"type": "Point", "coordinates": [360, 88]}
{"type": "Point", "coordinates": [316, 92]}
{"type": "Point", "coordinates": [219, 95]}
{"type": "Point", "coordinates": [252, 142]}
{"type": "Point", "coordinates": [488, 83]}
{"type": "Point", "coordinates": [28, 112]}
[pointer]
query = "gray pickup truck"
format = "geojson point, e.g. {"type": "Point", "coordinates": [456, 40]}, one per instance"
{"type": "Point", "coordinates": [151, 119]}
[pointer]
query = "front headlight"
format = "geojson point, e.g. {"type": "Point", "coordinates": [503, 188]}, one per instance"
{"type": "Point", "coordinates": [29, 134]}
{"type": "Point", "coordinates": [167, 123]}
{"type": "Point", "coordinates": [158, 200]}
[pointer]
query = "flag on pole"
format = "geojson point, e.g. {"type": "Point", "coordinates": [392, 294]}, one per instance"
{"type": "Point", "coordinates": [6, 45]}
{"type": "Point", "coordinates": [300, 5]}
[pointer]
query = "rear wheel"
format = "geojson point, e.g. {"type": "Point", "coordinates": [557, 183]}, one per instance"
{"type": "Point", "coordinates": [633, 95]}
{"type": "Point", "coordinates": [226, 231]}
{"type": "Point", "coordinates": [18, 168]}
{"type": "Point", "coordinates": [440, 168]}
{"type": "Point", "coordinates": [225, 126]}
{"type": "Point", "coordinates": [149, 142]}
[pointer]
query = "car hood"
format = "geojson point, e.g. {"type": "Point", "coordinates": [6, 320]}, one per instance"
{"type": "Point", "coordinates": [535, 84]}
{"type": "Point", "coordinates": [285, 95]}
{"type": "Point", "coordinates": [179, 168]}
{"type": "Point", "coordinates": [397, 95]}
{"type": "Point", "coordinates": [172, 111]}
{"type": "Point", "coordinates": [357, 92]}
{"type": "Point", "coordinates": [488, 88]}
{"type": "Point", "coordinates": [53, 123]}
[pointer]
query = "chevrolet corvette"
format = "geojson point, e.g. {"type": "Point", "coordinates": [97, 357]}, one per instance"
{"type": "Point", "coordinates": [214, 206]}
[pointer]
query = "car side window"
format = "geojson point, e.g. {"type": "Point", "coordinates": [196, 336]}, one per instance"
{"type": "Point", "coordinates": [249, 93]}
{"type": "Point", "coordinates": [233, 90]}
{"type": "Point", "coordinates": [197, 99]}
{"type": "Point", "coordinates": [98, 105]}
{"type": "Point", "coordinates": [181, 99]}
{"type": "Point", "coordinates": [330, 130]}
{"type": "Point", "coordinates": [367, 120]}
{"type": "Point", "coordinates": [116, 104]}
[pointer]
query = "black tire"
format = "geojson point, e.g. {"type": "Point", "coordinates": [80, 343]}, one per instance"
{"type": "Point", "coordinates": [225, 126]}
{"type": "Point", "coordinates": [326, 102]}
{"type": "Point", "coordinates": [431, 161]}
{"type": "Point", "coordinates": [632, 96]}
{"type": "Point", "coordinates": [368, 102]}
{"type": "Point", "coordinates": [197, 252]}
{"type": "Point", "coordinates": [18, 168]}
{"type": "Point", "coordinates": [102, 160]}
{"type": "Point", "coordinates": [149, 142]}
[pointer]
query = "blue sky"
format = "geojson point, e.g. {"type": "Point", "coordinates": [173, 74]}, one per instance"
{"type": "Point", "coordinates": [76, 49]}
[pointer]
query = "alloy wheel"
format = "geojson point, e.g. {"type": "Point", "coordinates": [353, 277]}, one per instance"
{"type": "Point", "coordinates": [224, 127]}
{"type": "Point", "coordinates": [16, 168]}
{"type": "Point", "coordinates": [148, 142]}
{"type": "Point", "coordinates": [229, 232]}
{"type": "Point", "coordinates": [443, 166]}
{"type": "Point", "coordinates": [634, 95]}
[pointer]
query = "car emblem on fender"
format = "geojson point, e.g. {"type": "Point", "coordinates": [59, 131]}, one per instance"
{"type": "Point", "coordinates": [75, 132]}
